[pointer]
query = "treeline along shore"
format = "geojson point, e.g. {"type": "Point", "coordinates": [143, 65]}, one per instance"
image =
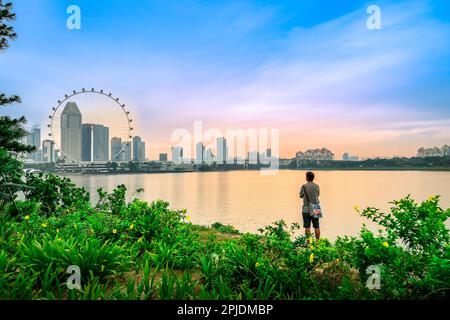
{"type": "Point", "coordinates": [412, 164]}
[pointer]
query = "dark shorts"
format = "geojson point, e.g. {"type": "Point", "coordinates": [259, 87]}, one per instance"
{"type": "Point", "coordinates": [307, 219]}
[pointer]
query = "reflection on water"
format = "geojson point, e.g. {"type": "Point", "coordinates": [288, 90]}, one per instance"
{"type": "Point", "coordinates": [249, 200]}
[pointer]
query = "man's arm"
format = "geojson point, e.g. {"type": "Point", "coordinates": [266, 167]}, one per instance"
{"type": "Point", "coordinates": [302, 192]}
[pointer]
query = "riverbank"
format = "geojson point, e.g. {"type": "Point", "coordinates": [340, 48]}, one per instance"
{"type": "Point", "coordinates": [71, 173]}
{"type": "Point", "coordinates": [396, 164]}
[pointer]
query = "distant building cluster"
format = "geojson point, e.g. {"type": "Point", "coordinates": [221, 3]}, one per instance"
{"type": "Point", "coordinates": [205, 155]}
{"type": "Point", "coordinates": [444, 151]}
{"type": "Point", "coordinates": [348, 157]}
{"type": "Point", "coordinates": [315, 154]}
{"type": "Point", "coordinates": [44, 152]}
{"type": "Point", "coordinates": [84, 142]}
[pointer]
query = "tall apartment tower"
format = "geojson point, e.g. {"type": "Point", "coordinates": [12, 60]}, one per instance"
{"type": "Point", "coordinates": [48, 151]}
{"type": "Point", "coordinates": [126, 151]}
{"type": "Point", "coordinates": [177, 154]}
{"type": "Point", "coordinates": [221, 150]}
{"type": "Point", "coordinates": [138, 149]}
{"type": "Point", "coordinates": [142, 151]}
{"type": "Point", "coordinates": [71, 133]}
{"type": "Point", "coordinates": [116, 149]}
{"type": "Point", "coordinates": [199, 153]}
{"type": "Point", "coordinates": [209, 156]}
{"type": "Point", "coordinates": [95, 142]}
{"type": "Point", "coordinates": [34, 139]}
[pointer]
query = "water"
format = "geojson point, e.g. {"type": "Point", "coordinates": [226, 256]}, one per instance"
{"type": "Point", "coordinates": [249, 200]}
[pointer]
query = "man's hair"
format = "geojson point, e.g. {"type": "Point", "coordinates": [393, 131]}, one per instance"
{"type": "Point", "coordinates": [310, 176]}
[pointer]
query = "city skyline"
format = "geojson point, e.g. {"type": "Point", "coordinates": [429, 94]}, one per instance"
{"type": "Point", "coordinates": [135, 150]}
{"type": "Point", "coordinates": [317, 74]}
{"type": "Point", "coordinates": [82, 142]}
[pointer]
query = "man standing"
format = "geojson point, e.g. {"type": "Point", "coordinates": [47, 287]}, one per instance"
{"type": "Point", "coordinates": [309, 192]}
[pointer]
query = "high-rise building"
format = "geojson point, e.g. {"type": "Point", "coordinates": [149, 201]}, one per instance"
{"type": "Point", "coordinates": [126, 151]}
{"type": "Point", "coordinates": [177, 154]}
{"type": "Point", "coordinates": [209, 156]}
{"type": "Point", "coordinates": [34, 139]}
{"type": "Point", "coordinates": [116, 149]}
{"type": "Point", "coordinates": [163, 157]}
{"type": "Point", "coordinates": [138, 149]}
{"type": "Point", "coordinates": [48, 151]}
{"type": "Point", "coordinates": [199, 153]}
{"type": "Point", "coordinates": [95, 142]}
{"type": "Point", "coordinates": [142, 151]}
{"type": "Point", "coordinates": [71, 133]}
{"type": "Point", "coordinates": [86, 142]}
{"type": "Point", "coordinates": [221, 150]}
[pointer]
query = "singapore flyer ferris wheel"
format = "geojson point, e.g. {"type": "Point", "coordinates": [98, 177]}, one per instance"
{"type": "Point", "coordinates": [91, 126]}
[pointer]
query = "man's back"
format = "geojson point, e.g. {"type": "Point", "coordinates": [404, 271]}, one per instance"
{"type": "Point", "coordinates": [312, 189]}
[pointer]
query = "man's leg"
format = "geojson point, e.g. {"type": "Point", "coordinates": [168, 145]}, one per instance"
{"type": "Point", "coordinates": [316, 226]}
{"type": "Point", "coordinates": [307, 225]}
{"type": "Point", "coordinates": [317, 233]}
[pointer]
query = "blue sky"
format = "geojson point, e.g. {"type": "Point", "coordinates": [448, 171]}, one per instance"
{"type": "Point", "coordinates": [309, 68]}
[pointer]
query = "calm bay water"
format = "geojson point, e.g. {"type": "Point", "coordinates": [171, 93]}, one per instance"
{"type": "Point", "coordinates": [249, 200]}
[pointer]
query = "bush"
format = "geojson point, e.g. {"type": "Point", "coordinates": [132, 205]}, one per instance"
{"type": "Point", "coordinates": [138, 250]}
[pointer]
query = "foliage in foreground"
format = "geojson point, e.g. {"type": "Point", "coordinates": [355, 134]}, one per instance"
{"type": "Point", "coordinates": [136, 250]}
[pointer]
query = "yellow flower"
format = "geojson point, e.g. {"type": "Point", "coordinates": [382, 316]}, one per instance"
{"type": "Point", "coordinates": [337, 260]}
{"type": "Point", "coordinates": [188, 218]}
{"type": "Point", "coordinates": [257, 264]}
{"type": "Point", "coordinates": [132, 226]}
{"type": "Point", "coordinates": [385, 244]}
{"type": "Point", "coordinates": [57, 230]}
{"type": "Point", "coordinates": [44, 225]}
{"type": "Point", "coordinates": [311, 258]}
{"type": "Point", "coordinates": [356, 208]}
{"type": "Point", "coordinates": [27, 217]}
{"type": "Point", "coordinates": [114, 231]}
{"type": "Point", "coordinates": [310, 242]}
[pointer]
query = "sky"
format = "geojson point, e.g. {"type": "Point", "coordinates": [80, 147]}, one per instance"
{"type": "Point", "coordinates": [311, 69]}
